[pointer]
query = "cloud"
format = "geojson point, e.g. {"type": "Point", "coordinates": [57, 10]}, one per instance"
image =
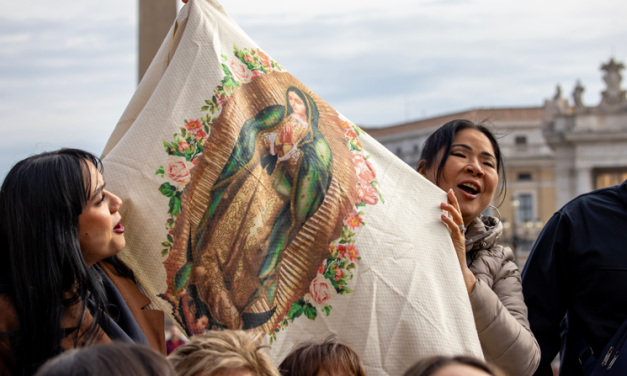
{"type": "Point", "coordinates": [63, 81]}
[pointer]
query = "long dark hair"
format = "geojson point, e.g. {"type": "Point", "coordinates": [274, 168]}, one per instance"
{"type": "Point", "coordinates": [115, 359]}
{"type": "Point", "coordinates": [41, 263]}
{"type": "Point", "coordinates": [442, 139]}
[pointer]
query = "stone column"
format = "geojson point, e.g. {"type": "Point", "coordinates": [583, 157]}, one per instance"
{"type": "Point", "coordinates": [584, 180]}
{"type": "Point", "coordinates": [563, 186]}
{"type": "Point", "coordinates": [155, 19]}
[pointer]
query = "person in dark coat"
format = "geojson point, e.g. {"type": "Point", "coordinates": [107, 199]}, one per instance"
{"type": "Point", "coordinates": [578, 269]}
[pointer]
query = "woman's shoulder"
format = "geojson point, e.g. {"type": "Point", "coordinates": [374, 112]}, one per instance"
{"type": "Point", "coordinates": [496, 262]}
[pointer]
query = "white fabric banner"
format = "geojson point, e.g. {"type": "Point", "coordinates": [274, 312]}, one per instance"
{"type": "Point", "coordinates": [250, 203]}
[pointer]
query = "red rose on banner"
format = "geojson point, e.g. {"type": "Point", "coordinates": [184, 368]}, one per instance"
{"type": "Point", "coordinates": [183, 146]}
{"type": "Point", "coordinates": [339, 273]}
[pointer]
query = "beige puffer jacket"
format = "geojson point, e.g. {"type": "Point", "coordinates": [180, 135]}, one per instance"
{"type": "Point", "coordinates": [497, 301]}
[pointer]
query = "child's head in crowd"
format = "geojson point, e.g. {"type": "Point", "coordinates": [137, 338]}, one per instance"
{"type": "Point", "coordinates": [330, 358]}
{"type": "Point", "coordinates": [114, 359]}
{"type": "Point", "coordinates": [452, 366]}
{"type": "Point", "coordinates": [222, 353]}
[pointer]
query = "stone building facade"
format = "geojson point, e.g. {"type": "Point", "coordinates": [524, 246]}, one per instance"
{"type": "Point", "coordinates": [590, 143]}
{"type": "Point", "coordinates": [552, 153]}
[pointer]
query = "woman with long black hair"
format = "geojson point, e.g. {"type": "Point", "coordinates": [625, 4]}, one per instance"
{"type": "Point", "coordinates": [61, 284]}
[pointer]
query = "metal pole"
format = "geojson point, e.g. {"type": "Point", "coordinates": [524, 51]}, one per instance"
{"type": "Point", "coordinates": [515, 240]}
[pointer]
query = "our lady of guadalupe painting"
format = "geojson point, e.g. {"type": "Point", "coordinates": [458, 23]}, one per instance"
{"type": "Point", "coordinates": [266, 197]}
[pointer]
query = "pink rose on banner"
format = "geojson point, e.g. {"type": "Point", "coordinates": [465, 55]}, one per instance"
{"type": "Point", "coordinates": [364, 169]}
{"type": "Point", "coordinates": [249, 59]}
{"type": "Point", "coordinates": [193, 126]}
{"type": "Point", "coordinates": [177, 170]}
{"type": "Point", "coordinates": [320, 292]}
{"type": "Point", "coordinates": [368, 194]}
{"type": "Point", "coordinates": [240, 71]}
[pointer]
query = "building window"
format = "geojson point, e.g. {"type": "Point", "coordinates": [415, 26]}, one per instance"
{"type": "Point", "coordinates": [399, 151]}
{"type": "Point", "coordinates": [521, 140]}
{"type": "Point", "coordinates": [609, 177]}
{"type": "Point", "coordinates": [416, 149]}
{"type": "Point", "coordinates": [525, 210]}
{"type": "Point", "coordinates": [524, 176]}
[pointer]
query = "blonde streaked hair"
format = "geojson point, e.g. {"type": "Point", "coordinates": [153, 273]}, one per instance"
{"type": "Point", "coordinates": [216, 351]}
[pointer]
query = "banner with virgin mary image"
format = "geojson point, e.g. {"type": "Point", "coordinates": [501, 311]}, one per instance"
{"type": "Point", "coordinates": [250, 203]}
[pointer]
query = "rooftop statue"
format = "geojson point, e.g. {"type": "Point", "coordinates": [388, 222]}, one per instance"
{"type": "Point", "coordinates": [613, 98]}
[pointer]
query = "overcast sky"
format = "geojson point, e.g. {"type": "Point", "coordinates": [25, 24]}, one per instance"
{"type": "Point", "coordinates": [68, 68]}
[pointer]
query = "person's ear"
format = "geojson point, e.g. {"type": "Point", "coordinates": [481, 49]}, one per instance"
{"type": "Point", "coordinates": [421, 167]}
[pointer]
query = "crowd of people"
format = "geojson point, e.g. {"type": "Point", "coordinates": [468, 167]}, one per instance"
{"type": "Point", "coordinates": [69, 306]}
{"type": "Point", "coordinates": [237, 353]}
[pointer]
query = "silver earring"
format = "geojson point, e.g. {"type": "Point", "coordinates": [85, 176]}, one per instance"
{"type": "Point", "coordinates": [497, 210]}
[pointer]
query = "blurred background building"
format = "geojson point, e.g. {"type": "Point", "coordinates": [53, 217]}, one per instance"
{"type": "Point", "coordinates": [552, 153]}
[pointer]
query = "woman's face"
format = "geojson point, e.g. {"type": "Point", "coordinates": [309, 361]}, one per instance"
{"type": "Point", "coordinates": [460, 370]}
{"type": "Point", "coordinates": [297, 104]}
{"type": "Point", "coordinates": [470, 171]}
{"type": "Point", "coordinates": [101, 233]}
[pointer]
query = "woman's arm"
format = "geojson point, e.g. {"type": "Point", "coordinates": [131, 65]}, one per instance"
{"type": "Point", "coordinates": [498, 305]}
{"type": "Point", "coordinates": [501, 319]}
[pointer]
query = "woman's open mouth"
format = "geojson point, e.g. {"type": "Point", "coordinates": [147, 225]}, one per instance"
{"type": "Point", "coordinates": [470, 189]}
{"type": "Point", "coordinates": [119, 229]}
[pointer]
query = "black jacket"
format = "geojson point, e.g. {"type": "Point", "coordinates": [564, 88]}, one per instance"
{"type": "Point", "coordinates": [578, 267]}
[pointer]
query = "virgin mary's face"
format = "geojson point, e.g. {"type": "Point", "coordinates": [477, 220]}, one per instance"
{"type": "Point", "coordinates": [101, 233]}
{"type": "Point", "coordinates": [297, 104]}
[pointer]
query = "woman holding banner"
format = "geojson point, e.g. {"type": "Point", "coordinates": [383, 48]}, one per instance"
{"type": "Point", "coordinates": [464, 159]}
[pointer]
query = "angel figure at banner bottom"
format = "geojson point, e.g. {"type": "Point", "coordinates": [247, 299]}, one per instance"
{"type": "Point", "coordinates": [275, 179]}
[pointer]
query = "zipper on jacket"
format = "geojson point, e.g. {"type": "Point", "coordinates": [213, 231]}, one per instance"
{"type": "Point", "coordinates": [613, 360]}
{"type": "Point", "coordinates": [607, 357]}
